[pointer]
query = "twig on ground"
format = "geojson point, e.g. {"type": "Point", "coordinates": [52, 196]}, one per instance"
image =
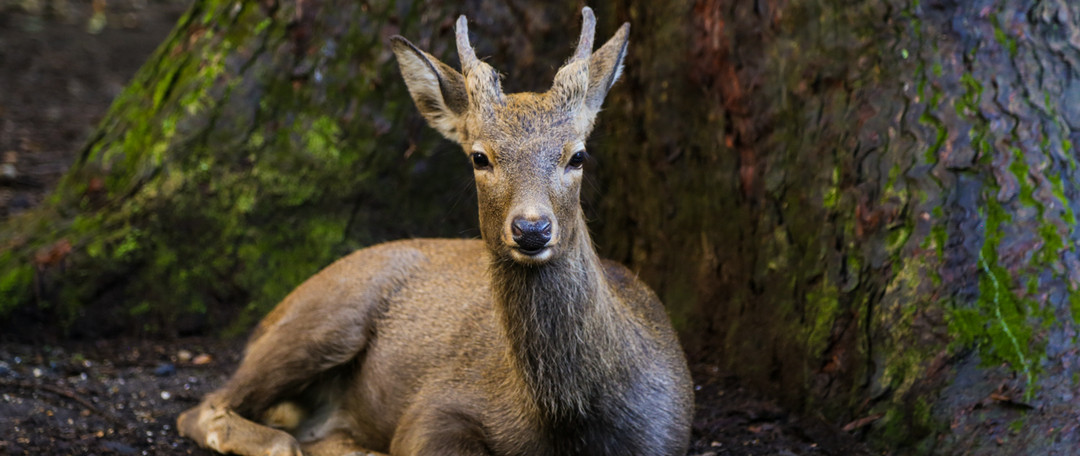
{"type": "Point", "coordinates": [66, 393]}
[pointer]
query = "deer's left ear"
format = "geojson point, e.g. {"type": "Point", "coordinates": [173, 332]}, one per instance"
{"type": "Point", "coordinates": [437, 89]}
{"type": "Point", "coordinates": [605, 66]}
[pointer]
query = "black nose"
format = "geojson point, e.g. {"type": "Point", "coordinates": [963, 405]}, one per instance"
{"type": "Point", "coordinates": [531, 236]}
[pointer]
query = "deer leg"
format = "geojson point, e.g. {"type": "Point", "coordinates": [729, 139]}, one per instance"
{"type": "Point", "coordinates": [279, 364]}
{"type": "Point", "coordinates": [288, 354]}
{"type": "Point", "coordinates": [222, 430]}
{"type": "Point", "coordinates": [322, 324]}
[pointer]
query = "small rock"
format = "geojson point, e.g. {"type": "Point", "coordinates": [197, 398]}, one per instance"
{"type": "Point", "coordinates": [165, 370]}
{"type": "Point", "coordinates": [202, 359]}
{"type": "Point", "coordinates": [165, 395]}
{"type": "Point", "coordinates": [37, 372]}
{"type": "Point", "coordinates": [183, 356]}
{"type": "Point", "coordinates": [8, 171]}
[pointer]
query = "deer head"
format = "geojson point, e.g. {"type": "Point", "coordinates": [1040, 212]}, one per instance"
{"type": "Point", "coordinates": [527, 149]}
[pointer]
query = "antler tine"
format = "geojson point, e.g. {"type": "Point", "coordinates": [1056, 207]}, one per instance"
{"type": "Point", "coordinates": [464, 49]}
{"type": "Point", "coordinates": [588, 30]}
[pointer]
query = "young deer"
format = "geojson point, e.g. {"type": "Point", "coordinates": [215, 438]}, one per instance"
{"type": "Point", "coordinates": [523, 343]}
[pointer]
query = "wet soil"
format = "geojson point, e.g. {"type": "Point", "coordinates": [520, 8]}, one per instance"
{"type": "Point", "coordinates": [61, 64]}
{"type": "Point", "coordinates": [114, 397]}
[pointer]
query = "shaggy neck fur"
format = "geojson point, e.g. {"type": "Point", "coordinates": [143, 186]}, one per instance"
{"type": "Point", "coordinates": [562, 325]}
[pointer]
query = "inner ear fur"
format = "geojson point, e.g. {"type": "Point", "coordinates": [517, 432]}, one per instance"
{"type": "Point", "coordinates": [437, 89]}
{"type": "Point", "coordinates": [605, 67]}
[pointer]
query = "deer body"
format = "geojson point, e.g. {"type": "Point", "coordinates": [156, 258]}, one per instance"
{"type": "Point", "coordinates": [523, 343]}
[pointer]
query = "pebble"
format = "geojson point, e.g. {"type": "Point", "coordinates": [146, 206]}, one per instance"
{"type": "Point", "coordinates": [184, 356]}
{"type": "Point", "coordinates": [165, 395]}
{"type": "Point", "coordinates": [202, 359]}
{"type": "Point", "coordinates": [165, 370]}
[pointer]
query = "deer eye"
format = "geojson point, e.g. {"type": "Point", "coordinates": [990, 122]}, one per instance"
{"type": "Point", "coordinates": [480, 160]}
{"type": "Point", "coordinates": [577, 159]}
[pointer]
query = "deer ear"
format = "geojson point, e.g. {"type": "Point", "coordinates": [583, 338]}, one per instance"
{"type": "Point", "coordinates": [605, 66]}
{"type": "Point", "coordinates": [437, 89]}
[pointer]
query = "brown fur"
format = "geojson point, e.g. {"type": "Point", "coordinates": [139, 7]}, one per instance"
{"type": "Point", "coordinates": [463, 347]}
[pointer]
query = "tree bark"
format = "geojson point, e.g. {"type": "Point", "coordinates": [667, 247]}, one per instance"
{"type": "Point", "coordinates": [866, 208]}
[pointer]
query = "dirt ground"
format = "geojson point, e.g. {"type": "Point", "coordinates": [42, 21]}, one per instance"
{"type": "Point", "coordinates": [61, 63]}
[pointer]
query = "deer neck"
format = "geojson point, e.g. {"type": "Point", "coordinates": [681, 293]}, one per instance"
{"type": "Point", "coordinates": [561, 321]}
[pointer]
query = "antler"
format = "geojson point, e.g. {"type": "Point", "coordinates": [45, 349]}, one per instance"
{"type": "Point", "coordinates": [464, 49]}
{"type": "Point", "coordinates": [588, 30]}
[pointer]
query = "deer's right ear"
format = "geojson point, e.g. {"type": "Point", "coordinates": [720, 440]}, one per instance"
{"type": "Point", "coordinates": [437, 89]}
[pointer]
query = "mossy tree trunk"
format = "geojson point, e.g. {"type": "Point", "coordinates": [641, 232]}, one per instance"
{"type": "Point", "coordinates": [866, 207]}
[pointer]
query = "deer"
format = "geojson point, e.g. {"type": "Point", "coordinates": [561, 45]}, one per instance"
{"type": "Point", "coordinates": [523, 342]}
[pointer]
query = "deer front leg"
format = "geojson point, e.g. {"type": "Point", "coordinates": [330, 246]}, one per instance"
{"type": "Point", "coordinates": [218, 428]}
{"type": "Point", "coordinates": [222, 430]}
{"type": "Point", "coordinates": [285, 358]}
{"type": "Point", "coordinates": [314, 329]}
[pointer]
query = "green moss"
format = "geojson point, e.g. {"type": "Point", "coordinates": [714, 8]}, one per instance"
{"type": "Point", "coordinates": [1074, 304]}
{"type": "Point", "coordinates": [15, 282]}
{"type": "Point", "coordinates": [922, 413]}
{"type": "Point", "coordinates": [1016, 425]}
{"type": "Point", "coordinates": [967, 104]}
{"type": "Point", "coordinates": [1002, 38]}
{"type": "Point", "coordinates": [1000, 323]}
{"type": "Point", "coordinates": [940, 236]}
{"type": "Point", "coordinates": [141, 308]}
{"type": "Point", "coordinates": [1058, 189]}
{"type": "Point", "coordinates": [1052, 243]}
{"type": "Point", "coordinates": [894, 175]}
{"type": "Point", "coordinates": [127, 246]}
{"type": "Point", "coordinates": [823, 303]}
{"type": "Point", "coordinates": [894, 427]}
{"type": "Point", "coordinates": [1019, 169]}
{"type": "Point", "coordinates": [941, 133]}
{"type": "Point", "coordinates": [832, 192]}
{"type": "Point", "coordinates": [898, 237]}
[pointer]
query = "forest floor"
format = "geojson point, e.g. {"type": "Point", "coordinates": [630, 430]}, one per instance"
{"type": "Point", "coordinates": [61, 64]}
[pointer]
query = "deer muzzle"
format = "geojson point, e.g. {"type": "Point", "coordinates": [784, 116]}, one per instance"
{"type": "Point", "coordinates": [532, 237]}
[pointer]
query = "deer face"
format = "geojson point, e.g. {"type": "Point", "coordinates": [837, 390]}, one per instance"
{"type": "Point", "coordinates": [526, 149]}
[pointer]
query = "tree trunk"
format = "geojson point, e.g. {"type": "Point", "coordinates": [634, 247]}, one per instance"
{"type": "Point", "coordinates": [866, 208]}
